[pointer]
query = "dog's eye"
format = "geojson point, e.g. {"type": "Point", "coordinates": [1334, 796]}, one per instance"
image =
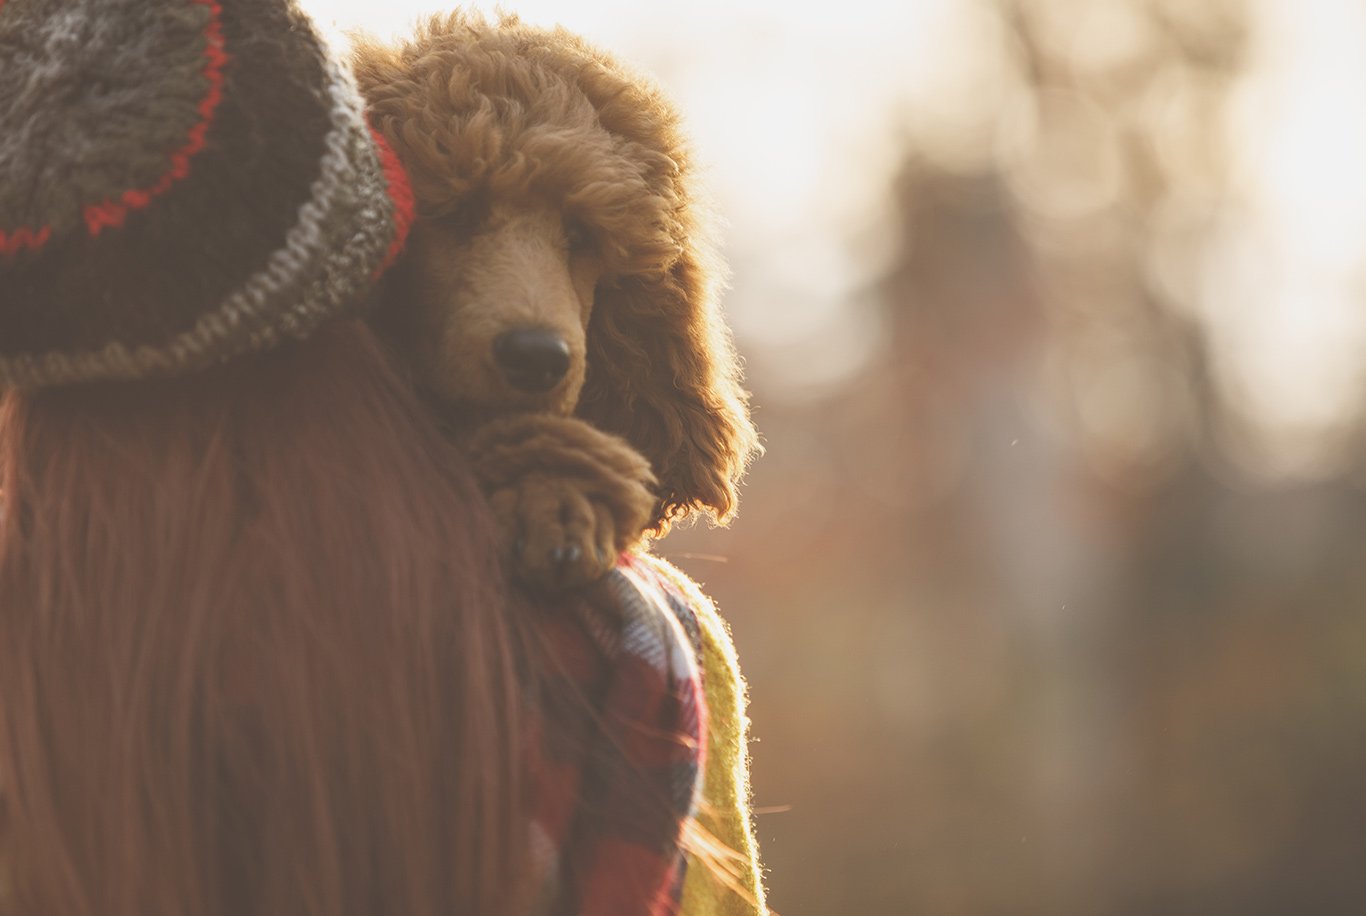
{"type": "Point", "coordinates": [466, 218]}
{"type": "Point", "coordinates": [578, 238]}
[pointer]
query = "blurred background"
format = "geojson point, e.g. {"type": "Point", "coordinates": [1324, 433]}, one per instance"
{"type": "Point", "coordinates": [1050, 588]}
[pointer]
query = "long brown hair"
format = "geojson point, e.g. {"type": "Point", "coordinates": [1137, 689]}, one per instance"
{"type": "Point", "coordinates": [255, 656]}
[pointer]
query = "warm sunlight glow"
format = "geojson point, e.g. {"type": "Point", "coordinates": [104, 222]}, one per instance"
{"type": "Point", "coordinates": [1286, 305]}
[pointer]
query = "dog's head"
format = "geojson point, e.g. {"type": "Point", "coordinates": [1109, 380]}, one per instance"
{"type": "Point", "coordinates": [560, 261]}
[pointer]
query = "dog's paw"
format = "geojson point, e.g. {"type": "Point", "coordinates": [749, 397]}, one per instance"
{"type": "Point", "coordinates": [555, 536]}
{"type": "Point", "coordinates": [569, 499]}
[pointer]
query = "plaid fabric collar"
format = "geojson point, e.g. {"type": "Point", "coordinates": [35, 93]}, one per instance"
{"type": "Point", "coordinates": [620, 747]}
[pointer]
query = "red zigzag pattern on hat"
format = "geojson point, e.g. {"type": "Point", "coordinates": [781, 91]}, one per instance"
{"type": "Point", "coordinates": [114, 211]}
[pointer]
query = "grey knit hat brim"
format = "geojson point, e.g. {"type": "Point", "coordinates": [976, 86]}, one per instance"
{"type": "Point", "coordinates": [338, 243]}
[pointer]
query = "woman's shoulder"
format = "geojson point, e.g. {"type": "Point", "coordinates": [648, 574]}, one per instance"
{"type": "Point", "coordinates": [725, 813]}
{"type": "Point", "coordinates": [664, 668]}
{"type": "Point", "coordinates": [684, 599]}
{"type": "Point", "coordinates": [633, 764]}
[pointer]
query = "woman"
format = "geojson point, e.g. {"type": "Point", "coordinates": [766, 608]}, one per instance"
{"type": "Point", "coordinates": [255, 653]}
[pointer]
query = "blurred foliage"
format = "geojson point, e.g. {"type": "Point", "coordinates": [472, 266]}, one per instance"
{"type": "Point", "coordinates": [1020, 638]}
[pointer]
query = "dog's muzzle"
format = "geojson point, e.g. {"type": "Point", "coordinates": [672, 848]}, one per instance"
{"type": "Point", "coordinates": [531, 359]}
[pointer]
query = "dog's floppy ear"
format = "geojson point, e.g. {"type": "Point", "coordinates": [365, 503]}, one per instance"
{"type": "Point", "coordinates": [662, 373]}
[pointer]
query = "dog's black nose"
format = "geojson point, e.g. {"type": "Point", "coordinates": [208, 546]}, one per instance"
{"type": "Point", "coordinates": [532, 359]}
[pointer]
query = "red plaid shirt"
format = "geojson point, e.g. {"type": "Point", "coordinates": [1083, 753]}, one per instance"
{"type": "Point", "coordinates": [621, 744]}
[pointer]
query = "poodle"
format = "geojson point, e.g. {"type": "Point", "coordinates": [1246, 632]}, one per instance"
{"type": "Point", "coordinates": [558, 296]}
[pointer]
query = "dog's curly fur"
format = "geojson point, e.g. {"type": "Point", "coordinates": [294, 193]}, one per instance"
{"type": "Point", "coordinates": [555, 189]}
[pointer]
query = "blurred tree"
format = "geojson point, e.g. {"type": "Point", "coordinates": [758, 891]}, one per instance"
{"type": "Point", "coordinates": [1020, 641]}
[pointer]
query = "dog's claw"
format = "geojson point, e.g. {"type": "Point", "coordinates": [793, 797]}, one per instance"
{"type": "Point", "coordinates": [563, 559]}
{"type": "Point", "coordinates": [562, 556]}
{"type": "Point", "coordinates": [565, 555]}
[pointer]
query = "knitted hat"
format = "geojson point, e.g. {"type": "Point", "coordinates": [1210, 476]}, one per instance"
{"type": "Point", "coordinates": [181, 181]}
